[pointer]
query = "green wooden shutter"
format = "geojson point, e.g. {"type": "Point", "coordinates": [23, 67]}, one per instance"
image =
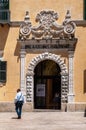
{"type": "Point", "coordinates": [84, 10]}
{"type": "Point", "coordinates": [4, 4]}
{"type": "Point", "coordinates": [4, 7]}
{"type": "Point", "coordinates": [3, 66]}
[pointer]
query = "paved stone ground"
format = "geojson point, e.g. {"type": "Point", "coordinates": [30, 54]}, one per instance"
{"type": "Point", "coordinates": [43, 121]}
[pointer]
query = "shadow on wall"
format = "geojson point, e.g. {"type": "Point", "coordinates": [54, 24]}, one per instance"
{"type": "Point", "coordinates": [84, 81]}
{"type": "Point", "coordinates": [85, 112]}
{"type": "Point", "coordinates": [4, 30]}
{"type": "Point", "coordinates": [17, 49]}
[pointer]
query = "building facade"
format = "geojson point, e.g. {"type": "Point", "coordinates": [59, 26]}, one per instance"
{"type": "Point", "coordinates": [42, 51]}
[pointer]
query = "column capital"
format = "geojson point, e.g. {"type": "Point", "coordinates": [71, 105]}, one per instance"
{"type": "Point", "coordinates": [22, 53]}
{"type": "Point", "coordinates": [70, 54]}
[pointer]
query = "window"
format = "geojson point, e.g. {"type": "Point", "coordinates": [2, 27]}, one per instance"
{"type": "Point", "coordinates": [4, 11]}
{"type": "Point", "coordinates": [84, 10]}
{"type": "Point", "coordinates": [3, 66]}
{"type": "Point", "coordinates": [4, 4]}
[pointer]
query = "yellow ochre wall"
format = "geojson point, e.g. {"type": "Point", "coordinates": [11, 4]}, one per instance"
{"type": "Point", "coordinates": [9, 36]}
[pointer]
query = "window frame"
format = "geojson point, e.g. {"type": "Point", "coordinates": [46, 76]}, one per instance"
{"type": "Point", "coordinates": [3, 71]}
{"type": "Point", "coordinates": [4, 12]}
{"type": "Point", "coordinates": [84, 9]}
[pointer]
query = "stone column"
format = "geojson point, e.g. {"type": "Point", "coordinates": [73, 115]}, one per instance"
{"type": "Point", "coordinates": [22, 72]}
{"type": "Point", "coordinates": [71, 89]}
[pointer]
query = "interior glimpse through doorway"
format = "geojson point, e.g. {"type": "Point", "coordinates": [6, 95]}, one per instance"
{"type": "Point", "coordinates": [47, 85]}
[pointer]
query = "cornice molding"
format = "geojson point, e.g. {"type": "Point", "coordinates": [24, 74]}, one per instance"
{"type": "Point", "coordinates": [80, 23]}
{"type": "Point", "coordinates": [77, 22]}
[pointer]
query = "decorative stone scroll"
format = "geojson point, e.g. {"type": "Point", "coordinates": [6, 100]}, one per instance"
{"type": "Point", "coordinates": [30, 74]}
{"type": "Point", "coordinates": [25, 28]}
{"type": "Point", "coordinates": [47, 28]}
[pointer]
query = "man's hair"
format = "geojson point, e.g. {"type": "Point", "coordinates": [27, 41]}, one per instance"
{"type": "Point", "coordinates": [18, 90]}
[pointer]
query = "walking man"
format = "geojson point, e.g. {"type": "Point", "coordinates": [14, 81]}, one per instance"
{"type": "Point", "coordinates": [19, 100]}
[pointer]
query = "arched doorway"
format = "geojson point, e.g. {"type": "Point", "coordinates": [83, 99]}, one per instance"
{"type": "Point", "coordinates": [47, 85]}
{"type": "Point", "coordinates": [56, 59]}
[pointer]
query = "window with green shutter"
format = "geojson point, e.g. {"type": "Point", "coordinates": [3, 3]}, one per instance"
{"type": "Point", "coordinates": [84, 10]}
{"type": "Point", "coordinates": [4, 11]}
{"type": "Point", "coordinates": [4, 4]}
{"type": "Point", "coordinates": [3, 66]}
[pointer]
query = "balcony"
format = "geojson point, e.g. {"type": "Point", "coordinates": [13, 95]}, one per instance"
{"type": "Point", "coordinates": [4, 16]}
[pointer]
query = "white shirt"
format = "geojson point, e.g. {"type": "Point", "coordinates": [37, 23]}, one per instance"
{"type": "Point", "coordinates": [19, 97]}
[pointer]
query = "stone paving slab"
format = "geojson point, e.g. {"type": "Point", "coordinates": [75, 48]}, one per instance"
{"type": "Point", "coordinates": [43, 121]}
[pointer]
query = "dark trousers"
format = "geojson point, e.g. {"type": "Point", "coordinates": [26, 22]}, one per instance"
{"type": "Point", "coordinates": [18, 108]}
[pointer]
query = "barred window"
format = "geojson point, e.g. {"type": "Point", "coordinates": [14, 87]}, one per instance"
{"type": "Point", "coordinates": [3, 66]}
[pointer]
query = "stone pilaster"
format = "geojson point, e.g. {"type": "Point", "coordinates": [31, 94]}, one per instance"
{"type": "Point", "coordinates": [22, 72]}
{"type": "Point", "coordinates": [71, 89]}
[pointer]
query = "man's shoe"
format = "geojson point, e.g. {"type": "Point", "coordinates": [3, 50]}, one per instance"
{"type": "Point", "coordinates": [19, 117]}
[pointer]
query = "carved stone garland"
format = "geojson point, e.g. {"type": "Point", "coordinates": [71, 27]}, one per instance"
{"type": "Point", "coordinates": [47, 27]}
{"type": "Point", "coordinates": [30, 75]}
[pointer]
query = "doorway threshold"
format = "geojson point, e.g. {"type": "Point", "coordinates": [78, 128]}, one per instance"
{"type": "Point", "coordinates": [46, 110]}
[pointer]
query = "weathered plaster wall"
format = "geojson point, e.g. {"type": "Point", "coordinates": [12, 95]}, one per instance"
{"type": "Point", "coordinates": [9, 36]}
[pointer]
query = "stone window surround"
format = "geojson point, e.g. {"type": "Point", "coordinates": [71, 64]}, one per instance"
{"type": "Point", "coordinates": [1, 58]}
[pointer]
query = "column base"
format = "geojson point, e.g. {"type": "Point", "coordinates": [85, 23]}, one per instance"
{"type": "Point", "coordinates": [79, 107]}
